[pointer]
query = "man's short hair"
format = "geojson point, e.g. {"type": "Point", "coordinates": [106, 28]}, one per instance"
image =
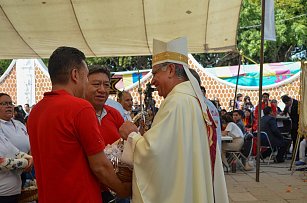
{"type": "Point", "coordinates": [239, 112]}
{"type": "Point", "coordinates": [62, 61]}
{"type": "Point", "coordinates": [120, 94]}
{"type": "Point", "coordinates": [180, 73]}
{"type": "Point", "coordinates": [285, 98]}
{"type": "Point", "coordinates": [99, 69]}
{"type": "Point", "coordinates": [274, 101]}
{"type": "Point", "coordinates": [267, 110]}
{"type": "Point", "coordinates": [4, 94]}
{"type": "Point", "coordinates": [227, 118]}
{"type": "Point", "coordinates": [266, 93]}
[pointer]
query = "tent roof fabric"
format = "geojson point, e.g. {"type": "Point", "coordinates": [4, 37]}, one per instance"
{"type": "Point", "coordinates": [34, 29]}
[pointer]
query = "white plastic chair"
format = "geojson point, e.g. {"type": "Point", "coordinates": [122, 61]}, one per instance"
{"type": "Point", "coordinates": [244, 153]}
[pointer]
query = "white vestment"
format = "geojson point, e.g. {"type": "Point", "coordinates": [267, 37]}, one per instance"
{"type": "Point", "coordinates": [172, 160]}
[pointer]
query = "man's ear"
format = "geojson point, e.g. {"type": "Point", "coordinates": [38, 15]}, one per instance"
{"type": "Point", "coordinates": [172, 70]}
{"type": "Point", "coordinates": [74, 75]}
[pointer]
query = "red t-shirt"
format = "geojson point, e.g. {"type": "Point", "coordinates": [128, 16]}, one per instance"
{"type": "Point", "coordinates": [110, 124]}
{"type": "Point", "coordinates": [63, 131]}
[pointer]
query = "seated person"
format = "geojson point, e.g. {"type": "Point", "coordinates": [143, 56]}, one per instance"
{"type": "Point", "coordinates": [302, 153]}
{"type": "Point", "coordinates": [229, 128]}
{"type": "Point", "coordinates": [269, 125]}
{"type": "Point", "coordinates": [237, 118]}
{"type": "Point", "coordinates": [248, 120]}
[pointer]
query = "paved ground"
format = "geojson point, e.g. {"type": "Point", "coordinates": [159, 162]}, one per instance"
{"type": "Point", "coordinates": [276, 185]}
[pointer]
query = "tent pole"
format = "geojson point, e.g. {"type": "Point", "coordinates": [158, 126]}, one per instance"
{"type": "Point", "coordinates": [260, 89]}
{"type": "Point", "coordinates": [236, 89]}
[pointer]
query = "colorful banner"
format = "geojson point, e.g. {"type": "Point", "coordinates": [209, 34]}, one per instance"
{"type": "Point", "coordinates": [129, 78]}
{"type": "Point", "coordinates": [273, 73]}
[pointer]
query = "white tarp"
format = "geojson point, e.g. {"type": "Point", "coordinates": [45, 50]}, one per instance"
{"type": "Point", "coordinates": [34, 28]}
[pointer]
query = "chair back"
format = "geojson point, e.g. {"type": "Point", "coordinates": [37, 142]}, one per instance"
{"type": "Point", "coordinates": [265, 141]}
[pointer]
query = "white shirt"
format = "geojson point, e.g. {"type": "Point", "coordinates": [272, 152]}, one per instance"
{"type": "Point", "coordinates": [216, 117]}
{"type": "Point", "coordinates": [10, 181]}
{"type": "Point", "coordinates": [127, 116]}
{"type": "Point", "coordinates": [17, 134]}
{"type": "Point", "coordinates": [103, 114]}
{"type": "Point", "coordinates": [233, 130]}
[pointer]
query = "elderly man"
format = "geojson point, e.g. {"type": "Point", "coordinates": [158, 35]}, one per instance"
{"type": "Point", "coordinates": [172, 159]}
{"type": "Point", "coordinates": [66, 142]}
{"type": "Point", "coordinates": [125, 99]}
{"type": "Point", "coordinates": [109, 118]}
{"type": "Point", "coordinates": [97, 93]}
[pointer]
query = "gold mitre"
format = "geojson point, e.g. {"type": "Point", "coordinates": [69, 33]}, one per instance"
{"type": "Point", "coordinates": [174, 51]}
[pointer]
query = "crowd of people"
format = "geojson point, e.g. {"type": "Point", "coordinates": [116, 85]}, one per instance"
{"type": "Point", "coordinates": [177, 159]}
{"type": "Point", "coordinates": [281, 126]}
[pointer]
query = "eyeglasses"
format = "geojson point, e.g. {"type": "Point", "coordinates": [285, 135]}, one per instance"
{"type": "Point", "coordinates": [6, 103]}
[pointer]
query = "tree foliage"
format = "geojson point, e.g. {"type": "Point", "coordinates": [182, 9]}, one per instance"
{"type": "Point", "coordinates": [291, 34]}
{"type": "Point", "coordinates": [4, 64]}
{"type": "Point", "coordinates": [122, 63]}
{"type": "Point", "coordinates": [291, 29]}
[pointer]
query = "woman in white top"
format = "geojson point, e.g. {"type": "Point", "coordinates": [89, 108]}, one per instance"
{"type": "Point", "coordinates": [14, 140]}
{"type": "Point", "coordinates": [14, 130]}
{"type": "Point", "coordinates": [12, 163]}
{"type": "Point", "coordinates": [231, 129]}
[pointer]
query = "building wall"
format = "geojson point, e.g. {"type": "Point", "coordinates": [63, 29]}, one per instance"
{"type": "Point", "coordinates": [9, 85]}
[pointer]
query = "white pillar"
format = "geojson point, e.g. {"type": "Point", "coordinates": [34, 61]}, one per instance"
{"type": "Point", "coordinates": [25, 78]}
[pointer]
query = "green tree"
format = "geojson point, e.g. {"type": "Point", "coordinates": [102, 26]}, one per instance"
{"type": "Point", "coordinates": [291, 29]}
{"type": "Point", "coordinates": [4, 64]}
{"type": "Point", "coordinates": [122, 63]}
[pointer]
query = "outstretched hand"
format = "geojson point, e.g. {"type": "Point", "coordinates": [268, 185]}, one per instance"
{"type": "Point", "coordinates": [127, 128]}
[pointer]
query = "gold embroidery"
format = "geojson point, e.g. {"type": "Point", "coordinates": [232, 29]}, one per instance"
{"type": "Point", "coordinates": [169, 55]}
{"type": "Point", "coordinates": [210, 134]}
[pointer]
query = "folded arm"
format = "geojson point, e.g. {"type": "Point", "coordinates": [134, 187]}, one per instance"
{"type": "Point", "coordinates": [9, 164]}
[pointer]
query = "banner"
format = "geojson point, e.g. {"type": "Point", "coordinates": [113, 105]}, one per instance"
{"type": "Point", "coordinates": [269, 21]}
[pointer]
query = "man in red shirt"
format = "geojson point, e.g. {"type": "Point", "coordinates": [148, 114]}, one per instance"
{"type": "Point", "coordinates": [265, 102]}
{"type": "Point", "coordinates": [97, 93]}
{"type": "Point", "coordinates": [66, 142]}
{"type": "Point", "coordinates": [110, 119]}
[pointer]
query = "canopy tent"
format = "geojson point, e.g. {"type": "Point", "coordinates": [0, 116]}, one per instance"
{"type": "Point", "coordinates": [114, 28]}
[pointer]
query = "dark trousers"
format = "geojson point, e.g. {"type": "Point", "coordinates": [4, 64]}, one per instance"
{"type": "Point", "coordinates": [9, 199]}
{"type": "Point", "coordinates": [107, 197]}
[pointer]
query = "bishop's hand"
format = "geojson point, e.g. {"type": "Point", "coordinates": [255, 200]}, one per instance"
{"type": "Point", "coordinates": [127, 128]}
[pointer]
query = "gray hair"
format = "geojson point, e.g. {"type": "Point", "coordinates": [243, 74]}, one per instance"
{"type": "Point", "coordinates": [180, 73]}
